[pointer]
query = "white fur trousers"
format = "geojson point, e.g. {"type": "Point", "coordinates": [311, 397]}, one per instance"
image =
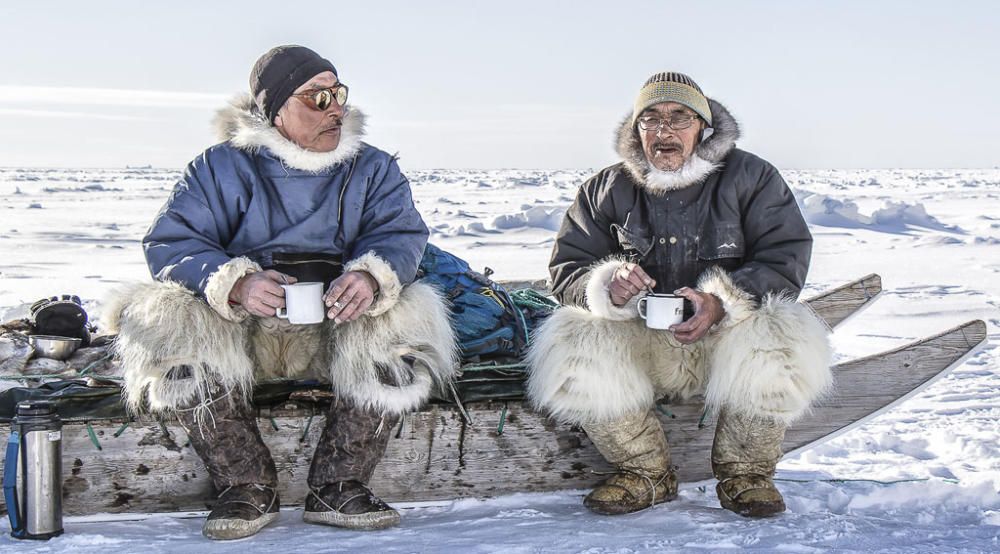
{"type": "Point", "coordinates": [390, 362]}
{"type": "Point", "coordinates": [771, 361]}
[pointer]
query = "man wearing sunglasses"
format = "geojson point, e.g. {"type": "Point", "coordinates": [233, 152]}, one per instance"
{"type": "Point", "coordinates": [684, 213]}
{"type": "Point", "coordinates": [291, 195]}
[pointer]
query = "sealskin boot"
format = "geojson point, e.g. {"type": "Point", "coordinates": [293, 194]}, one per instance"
{"type": "Point", "coordinates": [352, 444]}
{"type": "Point", "coordinates": [744, 455]}
{"type": "Point", "coordinates": [637, 448]}
{"type": "Point", "coordinates": [349, 504]}
{"type": "Point", "coordinates": [223, 432]}
{"type": "Point", "coordinates": [242, 511]}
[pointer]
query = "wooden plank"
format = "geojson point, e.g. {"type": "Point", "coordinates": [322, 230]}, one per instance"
{"type": "Point", "coordinates": [434, 454]}
{"type": "Point", "coordinates": [869, 386]}
{"type": "Point", "coordinates": [837, 305]}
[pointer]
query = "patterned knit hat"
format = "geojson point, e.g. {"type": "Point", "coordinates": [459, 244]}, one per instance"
{"type": "Point", "coordinates": [672, 87]}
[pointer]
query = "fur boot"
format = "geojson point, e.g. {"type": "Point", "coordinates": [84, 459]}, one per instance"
{"type": "Point", "coordinates": [242, 511]}
{"type": "Point", "coordinates": [637, 448]}
{"type": "Point", "coordinates": [744, 455]}
{"type": "Point", "coordinates": [351, 445]}
{"type": "Point", "coordinates": [223, 432]}
{"type": "Point", "coordinates": [349, 504]}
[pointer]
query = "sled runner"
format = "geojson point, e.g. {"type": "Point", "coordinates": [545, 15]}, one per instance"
{"type": "Point", "coordinates": [478, 447]}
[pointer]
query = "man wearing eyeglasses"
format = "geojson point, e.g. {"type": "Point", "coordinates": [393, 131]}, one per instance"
{"type": "Point", "coordinates": [291, 195]}
{"type": "Point", "coordinates": [684, 213]}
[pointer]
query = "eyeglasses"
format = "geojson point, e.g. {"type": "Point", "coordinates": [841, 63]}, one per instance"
{"type": "Point", "coordinates": [322, 99]}
{"type": "Point", "coordinates": [676, 121]}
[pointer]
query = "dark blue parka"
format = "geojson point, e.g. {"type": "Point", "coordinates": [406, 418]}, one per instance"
{"type": "Point", "coordinates": [258, 194]}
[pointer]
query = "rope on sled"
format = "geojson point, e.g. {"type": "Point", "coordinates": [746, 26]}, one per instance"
{"type": "Point", "coordinates": [531, 298]}
{"type": "Point", "coordinates": [402, 420]}
{"type": "Point", "coordinates": [458, 402]}
{"type": "Point", "coordinates": [93, 364]}
{"type": "Point", "coordinates": [661, 406]}
{"type": "Point", "coordinates": [121, 429]}
{"type": "Point", "coordinates": [93, 436]}
{"type": "Point", "coordinates": [305, 432]}
{"type": "Point", "coordinates": [503, 419]}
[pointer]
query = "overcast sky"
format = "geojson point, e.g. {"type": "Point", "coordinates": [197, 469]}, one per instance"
{"type": "Point", "coordinates": [511, 84]}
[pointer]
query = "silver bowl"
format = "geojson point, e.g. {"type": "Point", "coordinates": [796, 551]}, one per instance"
{"type": "Point", "coordinates": [57, 348]}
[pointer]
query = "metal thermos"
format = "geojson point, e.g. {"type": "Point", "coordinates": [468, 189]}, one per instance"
{"type": "Point", "coordinates": [32, 480]}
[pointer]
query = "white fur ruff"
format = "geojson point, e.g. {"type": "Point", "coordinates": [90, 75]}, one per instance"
{"type": "Point", "coordinates": [737, 303]}
{"type": "Point", "coordinates": [599, 296]}
{"type": "Point", "coordinates": [693, 170]}
{"type": "Point", "coordinates": [244, 129]}
{"type": "Point", "coordinates": [221, 283]}
{"type": "Point", "coordinates": [389, 287]}
{"type": "Point", "coordinates": [163, 325]}
{"type": "Point", "coordinates": [367, 354]}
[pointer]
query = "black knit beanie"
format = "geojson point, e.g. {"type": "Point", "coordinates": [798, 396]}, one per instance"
{"type": "Point", "coordinates": [279, 72]}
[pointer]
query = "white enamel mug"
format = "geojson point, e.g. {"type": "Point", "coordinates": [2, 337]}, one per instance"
{"type": "Point", "coordinates": [661, 310]}
{"type": "Point", "coordinates": [303, 304]}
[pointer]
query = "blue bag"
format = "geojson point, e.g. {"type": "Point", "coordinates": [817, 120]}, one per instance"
{"type": "Point", "coordinates": [487, 321]}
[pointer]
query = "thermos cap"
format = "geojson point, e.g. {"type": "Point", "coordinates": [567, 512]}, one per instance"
{"type": "Point", "coordinates": [35, 408]}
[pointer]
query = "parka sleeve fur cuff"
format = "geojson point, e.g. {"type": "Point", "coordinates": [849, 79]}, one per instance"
{"type": "Point", "coordinates": [598, 297]}
{"type": "Point", "coordinates": [738, 303]}
{"type": "Point", "coordinates": [221, 283]}
{"type": "Point", "coordinates": [389, 286]}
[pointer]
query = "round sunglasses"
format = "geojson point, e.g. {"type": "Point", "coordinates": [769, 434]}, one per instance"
{"type": "Point", "coordinates": [324, 98]}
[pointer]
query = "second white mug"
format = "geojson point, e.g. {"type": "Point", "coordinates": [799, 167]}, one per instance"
{"type": "Point", "coordinates": [661, 310]}
{"type": "Point", "coordinates": [303, 304]}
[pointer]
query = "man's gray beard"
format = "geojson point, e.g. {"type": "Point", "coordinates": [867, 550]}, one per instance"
{"type": "Point", "coordinates": [692, 171]}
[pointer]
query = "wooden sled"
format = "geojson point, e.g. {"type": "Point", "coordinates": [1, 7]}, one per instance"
{"type": "Point", "coordinates": [484, 448]}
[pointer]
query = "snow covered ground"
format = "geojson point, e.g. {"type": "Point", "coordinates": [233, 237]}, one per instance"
{"type": "Point", "coordinates": [933, 235]}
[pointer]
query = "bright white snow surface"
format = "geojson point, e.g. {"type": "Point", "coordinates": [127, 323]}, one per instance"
{"type": "Point", "coordinates": [933, 235]}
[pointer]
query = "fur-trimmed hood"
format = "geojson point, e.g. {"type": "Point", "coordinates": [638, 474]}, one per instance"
{"type": "Point", "coordinates": [241, 125]}
{"type": "Point", "coordinates": [706, 159]}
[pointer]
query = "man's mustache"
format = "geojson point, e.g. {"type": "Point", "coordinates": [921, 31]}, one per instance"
{"type": "Point", "coordinates": [666, 145]}
{"type": "Point", "coordinates": [335, 124]}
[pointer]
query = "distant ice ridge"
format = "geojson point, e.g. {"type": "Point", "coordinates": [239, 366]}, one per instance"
{"type": "Point", "coordinates": [542, 217]}
{"type": "Point", "coordinates": [493, 203]}
{"type": "Point", "coordinates": [895, 217]}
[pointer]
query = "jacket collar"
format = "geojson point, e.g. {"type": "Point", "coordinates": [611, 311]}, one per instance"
{"type": "Point", "coordinates": [707, 157]}
{"type": "Point", "coordinates": [244, 128]}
